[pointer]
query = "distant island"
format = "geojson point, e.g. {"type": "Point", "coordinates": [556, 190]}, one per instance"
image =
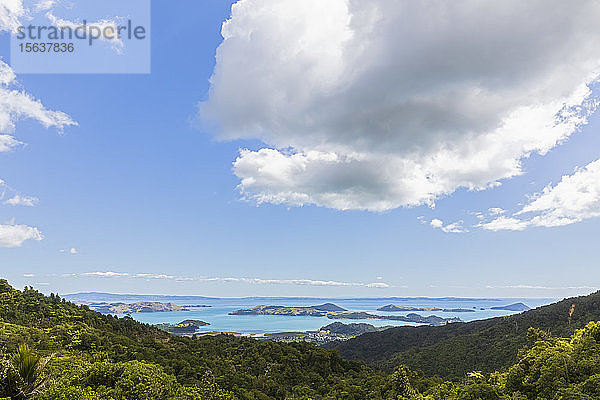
{"type": "Point", "coordinates": [187, 327]}
{"type": "Point", "coordinates": [333, 311]}
{"type": "Point", "coordinates": [139, 307]}
{"type": "Point", "coordinates": [323, 310]}
{"type": "Point", "coordinates": [513, 307]}
{"type": "Point", "coordinates": [393, 307]}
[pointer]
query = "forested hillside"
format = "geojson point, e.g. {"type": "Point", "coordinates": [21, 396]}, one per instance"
{"type": "Point", "coordinates": [452, 350]}
{"type": "Point", "coordinates": [121, 358]}
{"type": "Point", "coordinates": [54, 350]}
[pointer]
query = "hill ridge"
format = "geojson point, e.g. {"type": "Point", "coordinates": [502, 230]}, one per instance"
{"type": "Point", "coordinates": [484, 345]}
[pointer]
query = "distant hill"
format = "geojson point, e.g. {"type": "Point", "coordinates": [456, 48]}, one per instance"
{"type": "Point", "coordinates": [339, 328]}
{"type": "Point", "coordinates": [513, 307]}
{"type": "Point", "coordinates": [328, 307]}
{"type": "Point", "coordinates": [454, 349]}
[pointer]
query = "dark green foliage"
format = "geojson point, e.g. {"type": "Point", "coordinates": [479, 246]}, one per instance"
{"type": "Point", "coordinates": [555, 368]}
{"type": "Point", "coordinates": [98, 354]}
{"type": "Point", "coordinates": [451, 351]}
{"type": "Point", "coordinates": [23, 375]}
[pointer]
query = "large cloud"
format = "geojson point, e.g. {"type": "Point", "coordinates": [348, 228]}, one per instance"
{"type": "Point", "coordinates": [375, 105]}
{"type": "Point", "coordinates": [575, 198]}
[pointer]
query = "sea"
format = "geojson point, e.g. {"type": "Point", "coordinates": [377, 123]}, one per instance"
{"type": "Point", "coordinates": [217, 314]}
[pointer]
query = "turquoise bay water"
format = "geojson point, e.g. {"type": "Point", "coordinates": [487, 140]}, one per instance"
{"type": "Point", "coordinates": [217, 314]}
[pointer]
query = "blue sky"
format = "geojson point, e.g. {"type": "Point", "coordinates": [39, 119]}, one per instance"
{"type": "Point", "coordinates": [141, 187]}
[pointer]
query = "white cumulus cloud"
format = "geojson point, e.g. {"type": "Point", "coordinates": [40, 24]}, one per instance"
{"type": "Point", "coordinates": [12, 235]}
{"type": "Point", "coordinates": [504, 224]}
{"type": "Point", "coordinates": [436, 223]}
{"type": "Point", "coordinates": [16, 104]}
{"type": "Point", "coordinates": [381, 104]}
{"type": "Point", "coordinates": [455, 227]}
{"type": "Point", "coordinates": [574, 199]}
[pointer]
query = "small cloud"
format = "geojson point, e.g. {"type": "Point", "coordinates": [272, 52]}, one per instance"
{"type": "Point", "coordinates": [105, 274]}
{"type": "Point", "coordinates": [73, 250]}
{"type": "Point", "coordinates": [504, 224]}
{"type": "Point", "coordinates": [19, 200]}
{"type": "Point", "coordinates": [8, 143]}
{"type": "Point", "coordinates": [379, 278]}
{"type": "Point", "coordinates": [455, 227]}
{"type": "Point", "coordinates": [496, 211]}
{"type": "Point", "coordinates": [28, 275]}
{"type": "Point", "coordinates": [479, 215]}
{"type": "Point", "coordinates": [436, 223]}
{"type": "Point", "coordinates": [44, 5]}
{"type": "Point", "coordinates": [105, 30]}
{"type": "Point", "coordinates": [379, 285]}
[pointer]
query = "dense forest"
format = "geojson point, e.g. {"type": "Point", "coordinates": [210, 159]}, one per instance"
{"type": "Point", "coordinates": [54, 350]}
{"type": "Point", "coordinates": [453, 350]}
